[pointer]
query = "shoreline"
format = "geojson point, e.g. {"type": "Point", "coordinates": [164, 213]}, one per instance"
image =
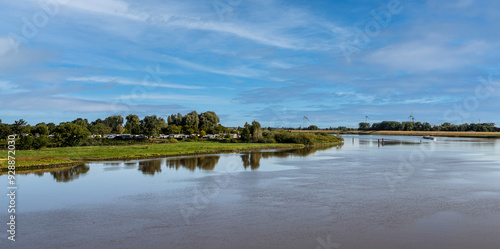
{"type": "Point", "coordinates": [72, 162]}
{"type": "Point", "coordinates": [416, 133]}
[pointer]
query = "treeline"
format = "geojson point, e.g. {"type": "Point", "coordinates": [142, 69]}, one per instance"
{"type": "Point", "coordinates": [81, 132]}
{"type": "Point", "coordinates": [76, 132]}
{"type": "Point", "coordinates": [254, 133]}
{"type": "Point", "coordinates": [418, 126]}
{"type": "Point", "coordinates": [150, 126]}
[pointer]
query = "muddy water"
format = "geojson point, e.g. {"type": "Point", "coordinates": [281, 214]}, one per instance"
{"type": "Point", "coordinates": [408, 193]}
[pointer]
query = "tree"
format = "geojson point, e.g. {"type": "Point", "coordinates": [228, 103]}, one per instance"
{"type": "Point", "coordinates": [364, 126]}
{"type": "Point", "coordinates": [152, 125]}
{"type": "Point", "coordinates": [19, 126]}
{"type": "Point", "coordinates": [208, 120]}
{"type": "Point", "coordinates": [313, 127]}
{"type": "Point", "coordinates": [114, 122]}
{"type": "Point", "coordinates": [82, 122]}
{"type": "Point", "coordinates": [256, 131]}
{"type": "Point", "coordinates": [408, 126]}
{"type": "Point", "coordinates": [100, 129]}
{"type": "Point", "coordinates": [133, 125]}
{"type": "Point", "coordinates": [191, 120]}
{"type": "Point", "coordinates": [187, 130]}
{"type": "Point", "coordinates": [5, 131]}
{"type": "Point", "coordinates": [178, 119]}
{"type": "Point", "coordinates": [41, 128]}
{"type": "Point", "coordinates": [29, 142]}
{"type": "Point", "coordinates": [172, 129]}
{"type": "Point", "coordinates": [51, 127]}
{"type": "Point", "coordinates": [246, 133]}
{"type": "Point", "coordinates": [69, 134]}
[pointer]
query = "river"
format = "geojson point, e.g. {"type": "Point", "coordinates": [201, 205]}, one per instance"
{"type": "Point", "coordinates": [406, 193]}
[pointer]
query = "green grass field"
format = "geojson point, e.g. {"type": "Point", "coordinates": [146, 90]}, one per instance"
{"type": "Point", "coordinates": [50, 156]}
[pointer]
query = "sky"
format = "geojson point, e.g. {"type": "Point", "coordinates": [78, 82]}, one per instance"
{"type": "Point", "coordinates": [336, 62]}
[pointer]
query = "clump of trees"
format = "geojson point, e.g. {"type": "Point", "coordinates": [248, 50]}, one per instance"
{"type": "Point", "coordinates": [78, 131]}
{"type": "Point", "coordinates": [418, 126]}
{"type": "Point", "coordinates": [254, 133]}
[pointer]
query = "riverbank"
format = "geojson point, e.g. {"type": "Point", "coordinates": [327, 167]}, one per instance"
{"type": "Point", "coordinates": [28, 160]}
{"type": "Point", "coordinates": [418, 133]}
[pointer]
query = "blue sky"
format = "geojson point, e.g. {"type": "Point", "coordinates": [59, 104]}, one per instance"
{"type": "Point", "coordinates": [272, 61]}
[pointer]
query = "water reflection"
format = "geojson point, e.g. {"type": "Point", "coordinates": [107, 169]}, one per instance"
{"type": "Point", "coordinates": [251, 159]}
{"type": "Point", "coordinates": [67, 175]}
{"type": "Point", "coordinates": [191, 163]}
{"type": "Point", "coordinates": [150, 167]}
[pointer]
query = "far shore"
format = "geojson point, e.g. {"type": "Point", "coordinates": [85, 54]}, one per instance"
{"type": "Point", "coordinates": [416, 133]}
{"type": "Point", "coordinates": [60, 158]}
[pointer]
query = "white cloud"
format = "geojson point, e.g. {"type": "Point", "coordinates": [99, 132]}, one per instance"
{"type": "Point", "coordinates": [5, 45]}
{"type": "Point", "coordinates": [7, 87]}
{"type": "Point", "coordinates": [428, 55]}
{"type": "Point", "coordinates": [177, 98]}
{"type": "Point", "coordinates": [240, 72]}
{"type": "Point", "coordinates": [122, 81]}
{"type": "Point", "coordinates": [106, 7]}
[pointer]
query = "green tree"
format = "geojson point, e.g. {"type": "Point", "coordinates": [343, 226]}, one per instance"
{"type": "Point", "coordinates": [152, 125]}
{"type": "Point", "coordinates": [5, 131]}
{"type": "Point", "coordinates": [100, 129]}
{"type": "Point", "coordinates": [51, 127]}
{"type": "Point", "coordinates": [133, 125]}
{"type": "Point", "coordinates": [115, 122]}
{"type": "Point", "coordinates": [408, 126]}
{"type": "Point", "coordinates": [82, 122]}
{"type": "Point", "coordinates": [246, 134]}
{"type": "Point", "coordinates": [178, 119]}
{"type": "Point", "coordinates": [172, 129]}
{"type": "Point", "coordinates": [364, 126]}
{"type": "Point", "coordinates": [41, 128]}
{"type": "Point", "coordinates": [313, 128]}
{"type": "Point", "coordinates": [191, 120]}
{"type": "Point", "coordinates": [256, 131]}
{"type": "Point", "coordinates": [69, 134]}
{"type": "Point", "coordinates": [19, 126]}
{"type": "Point", "coordinates": [208, 120]}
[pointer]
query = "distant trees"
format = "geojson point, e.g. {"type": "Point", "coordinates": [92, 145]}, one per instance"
{"type": "Point", "coordinates": [41, 129]}
{"type": "Point", "coordinates": [418, 126]}
{"type": "Point", "coordinates": [29, 142]}
{"type": "Point", "coordinates": [77, 131]}
{"type": "Point", "coordinates": [194, 123]}
{"type": "Point", "coordinates": [364, 126]}
{"type": "Point", "coordinates": [251, 133]}
{"type": "Point", "coordinates": [70, 134]}
{"type": "Point", "coordinates": [152, 125]}
{"type": "Point", "coordinates": [5, 130]}
{"type": "Point", "coordinates": [313, 128]}
{"type": "Point", "coordinates": [115, 123]}
{"type": "Point", "coordinates": [19, 126]}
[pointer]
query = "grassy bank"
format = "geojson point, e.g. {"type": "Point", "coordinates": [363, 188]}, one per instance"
{"type": "Point", "coordinates": [59, 157]}
{"type": "Point", "coordinates": [420, 133]}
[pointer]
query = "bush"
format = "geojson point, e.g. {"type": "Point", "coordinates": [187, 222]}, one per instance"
{"type": "Point", "coordinates": [32, 143]}
{"type": "Point", "coordinates": [172, 140]}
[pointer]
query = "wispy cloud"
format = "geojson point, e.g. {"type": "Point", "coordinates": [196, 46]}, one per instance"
{"type": "Point", "coordinates": [123, 81]}
{"type": "Point", "coordinates": [174, 98]}
{"type": "Point", "coordinates": [7, 87]}
{"type": "Point", "coordinates": [240, 72]}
